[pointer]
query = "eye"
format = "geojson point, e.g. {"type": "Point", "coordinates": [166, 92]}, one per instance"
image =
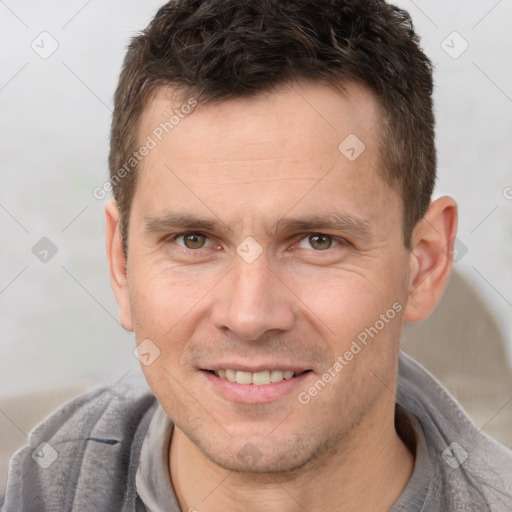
{"type": "Point", "coordinates": [318, 241]}
{"type": "Point", "coordinates": [192, 240]}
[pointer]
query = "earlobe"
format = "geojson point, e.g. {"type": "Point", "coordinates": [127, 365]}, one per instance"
{"type": "Point", "coordinates": [431, 258]}
{"type": "Point", "coordinates": [117, 264]}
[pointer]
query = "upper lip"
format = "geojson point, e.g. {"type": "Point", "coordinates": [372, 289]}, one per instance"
{"type": "Point", "coordinates": [256, 368]}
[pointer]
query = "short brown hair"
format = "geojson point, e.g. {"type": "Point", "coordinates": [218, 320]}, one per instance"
{"type": "Point", "coordinates": [215, 50]}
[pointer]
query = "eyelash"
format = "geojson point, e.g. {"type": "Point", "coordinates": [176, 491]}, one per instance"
{"type": "Point", "coordinates": [338, 240]}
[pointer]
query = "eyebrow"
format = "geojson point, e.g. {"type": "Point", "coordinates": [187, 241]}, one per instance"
{"type": "Point", "coordinates": [332, 221]}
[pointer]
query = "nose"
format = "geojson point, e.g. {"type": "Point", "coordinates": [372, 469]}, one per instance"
{"type": "Point", "coordinates": [252, 301]}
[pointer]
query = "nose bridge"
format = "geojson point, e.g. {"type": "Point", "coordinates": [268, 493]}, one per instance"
{"type": "Point", "coordinates": [250, 281]}
{"type": "Point", "coordinates": [253, 300]}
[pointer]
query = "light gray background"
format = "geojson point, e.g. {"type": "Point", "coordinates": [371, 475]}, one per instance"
{"type": "Point", "coordinates": [59, 318]}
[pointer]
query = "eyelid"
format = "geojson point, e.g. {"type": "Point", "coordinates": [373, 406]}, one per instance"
{"type": "Point", "coordinates": [174, 237]}
{"type": "Point", "coordinates": [339, 241]}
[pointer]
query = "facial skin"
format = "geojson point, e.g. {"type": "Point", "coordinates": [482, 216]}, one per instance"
{"type": "Point", "coordinates": [247, 167]}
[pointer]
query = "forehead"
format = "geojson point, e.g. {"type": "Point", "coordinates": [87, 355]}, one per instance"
{"type": "Point", "coordinates": [286, 149]}
{"type": "Point", "coordinates": [291, 118]}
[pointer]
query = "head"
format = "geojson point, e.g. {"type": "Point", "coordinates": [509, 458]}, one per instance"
{"type": "Point", "coordinates": [212, 51]}
{"type": "Point", "coordinates": [278, 209]}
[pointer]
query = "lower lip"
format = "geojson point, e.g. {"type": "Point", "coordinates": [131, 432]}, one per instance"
{"type": "Point", "coordinates": [252, 394]}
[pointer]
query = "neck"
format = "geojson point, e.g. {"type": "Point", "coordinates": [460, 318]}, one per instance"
{"type": "Point", "coordinates": [367, 472]}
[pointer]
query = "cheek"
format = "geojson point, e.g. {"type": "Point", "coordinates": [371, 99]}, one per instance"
{"type": "Point", "coordinates": [361, 312]}
{"type": "Point", "coordinates": [158, 310]}
{"type": "Point", "coordinates": [347, 299]}
{"type": "Point", "coordinates": [161, 298]}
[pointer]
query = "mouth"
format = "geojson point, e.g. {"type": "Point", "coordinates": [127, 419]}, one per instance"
{"type": "Point", "coordinates": [259, 378]}
{"type": "Point", "coordinates": [263, 385]}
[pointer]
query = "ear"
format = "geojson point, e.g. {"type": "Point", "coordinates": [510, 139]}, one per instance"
{"type": "Point", "coordinates": [117, 264]}
{"type": "Point", "coordinates": [431, 257]}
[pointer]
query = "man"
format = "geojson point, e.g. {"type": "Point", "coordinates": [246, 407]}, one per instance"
{"type": "Point", "coordinates": [272, 164]}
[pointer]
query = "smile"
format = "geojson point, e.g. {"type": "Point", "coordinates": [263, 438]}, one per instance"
{"type": "Point", "coordinates": [256, 378]}
{"type": "Point", "coordinates": [257, 387]}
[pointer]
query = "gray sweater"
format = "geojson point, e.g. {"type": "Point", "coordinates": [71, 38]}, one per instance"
{"type": "Point", "coordinates": [86, 455]}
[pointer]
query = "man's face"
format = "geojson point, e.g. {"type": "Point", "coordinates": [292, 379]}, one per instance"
{"type": "Point", "coordinates": [257, 244]}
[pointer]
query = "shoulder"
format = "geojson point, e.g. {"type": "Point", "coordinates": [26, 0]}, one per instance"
{"type": "Point", "coordinates": [85, 454]}
{"type": "Point", "coordinates": [469, 469]}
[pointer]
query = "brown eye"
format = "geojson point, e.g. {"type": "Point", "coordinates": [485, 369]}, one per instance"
{"type": "Point", "coordinates": [193, 240]}
{"type": "Point", "coordinates": [320, 242]}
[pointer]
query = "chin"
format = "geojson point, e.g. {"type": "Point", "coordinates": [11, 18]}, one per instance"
{"type": "Point", "coordinates": [262, 457]}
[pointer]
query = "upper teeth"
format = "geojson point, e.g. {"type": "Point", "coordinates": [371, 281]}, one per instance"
{"type": "Point", "coordinates": [257, 378]}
